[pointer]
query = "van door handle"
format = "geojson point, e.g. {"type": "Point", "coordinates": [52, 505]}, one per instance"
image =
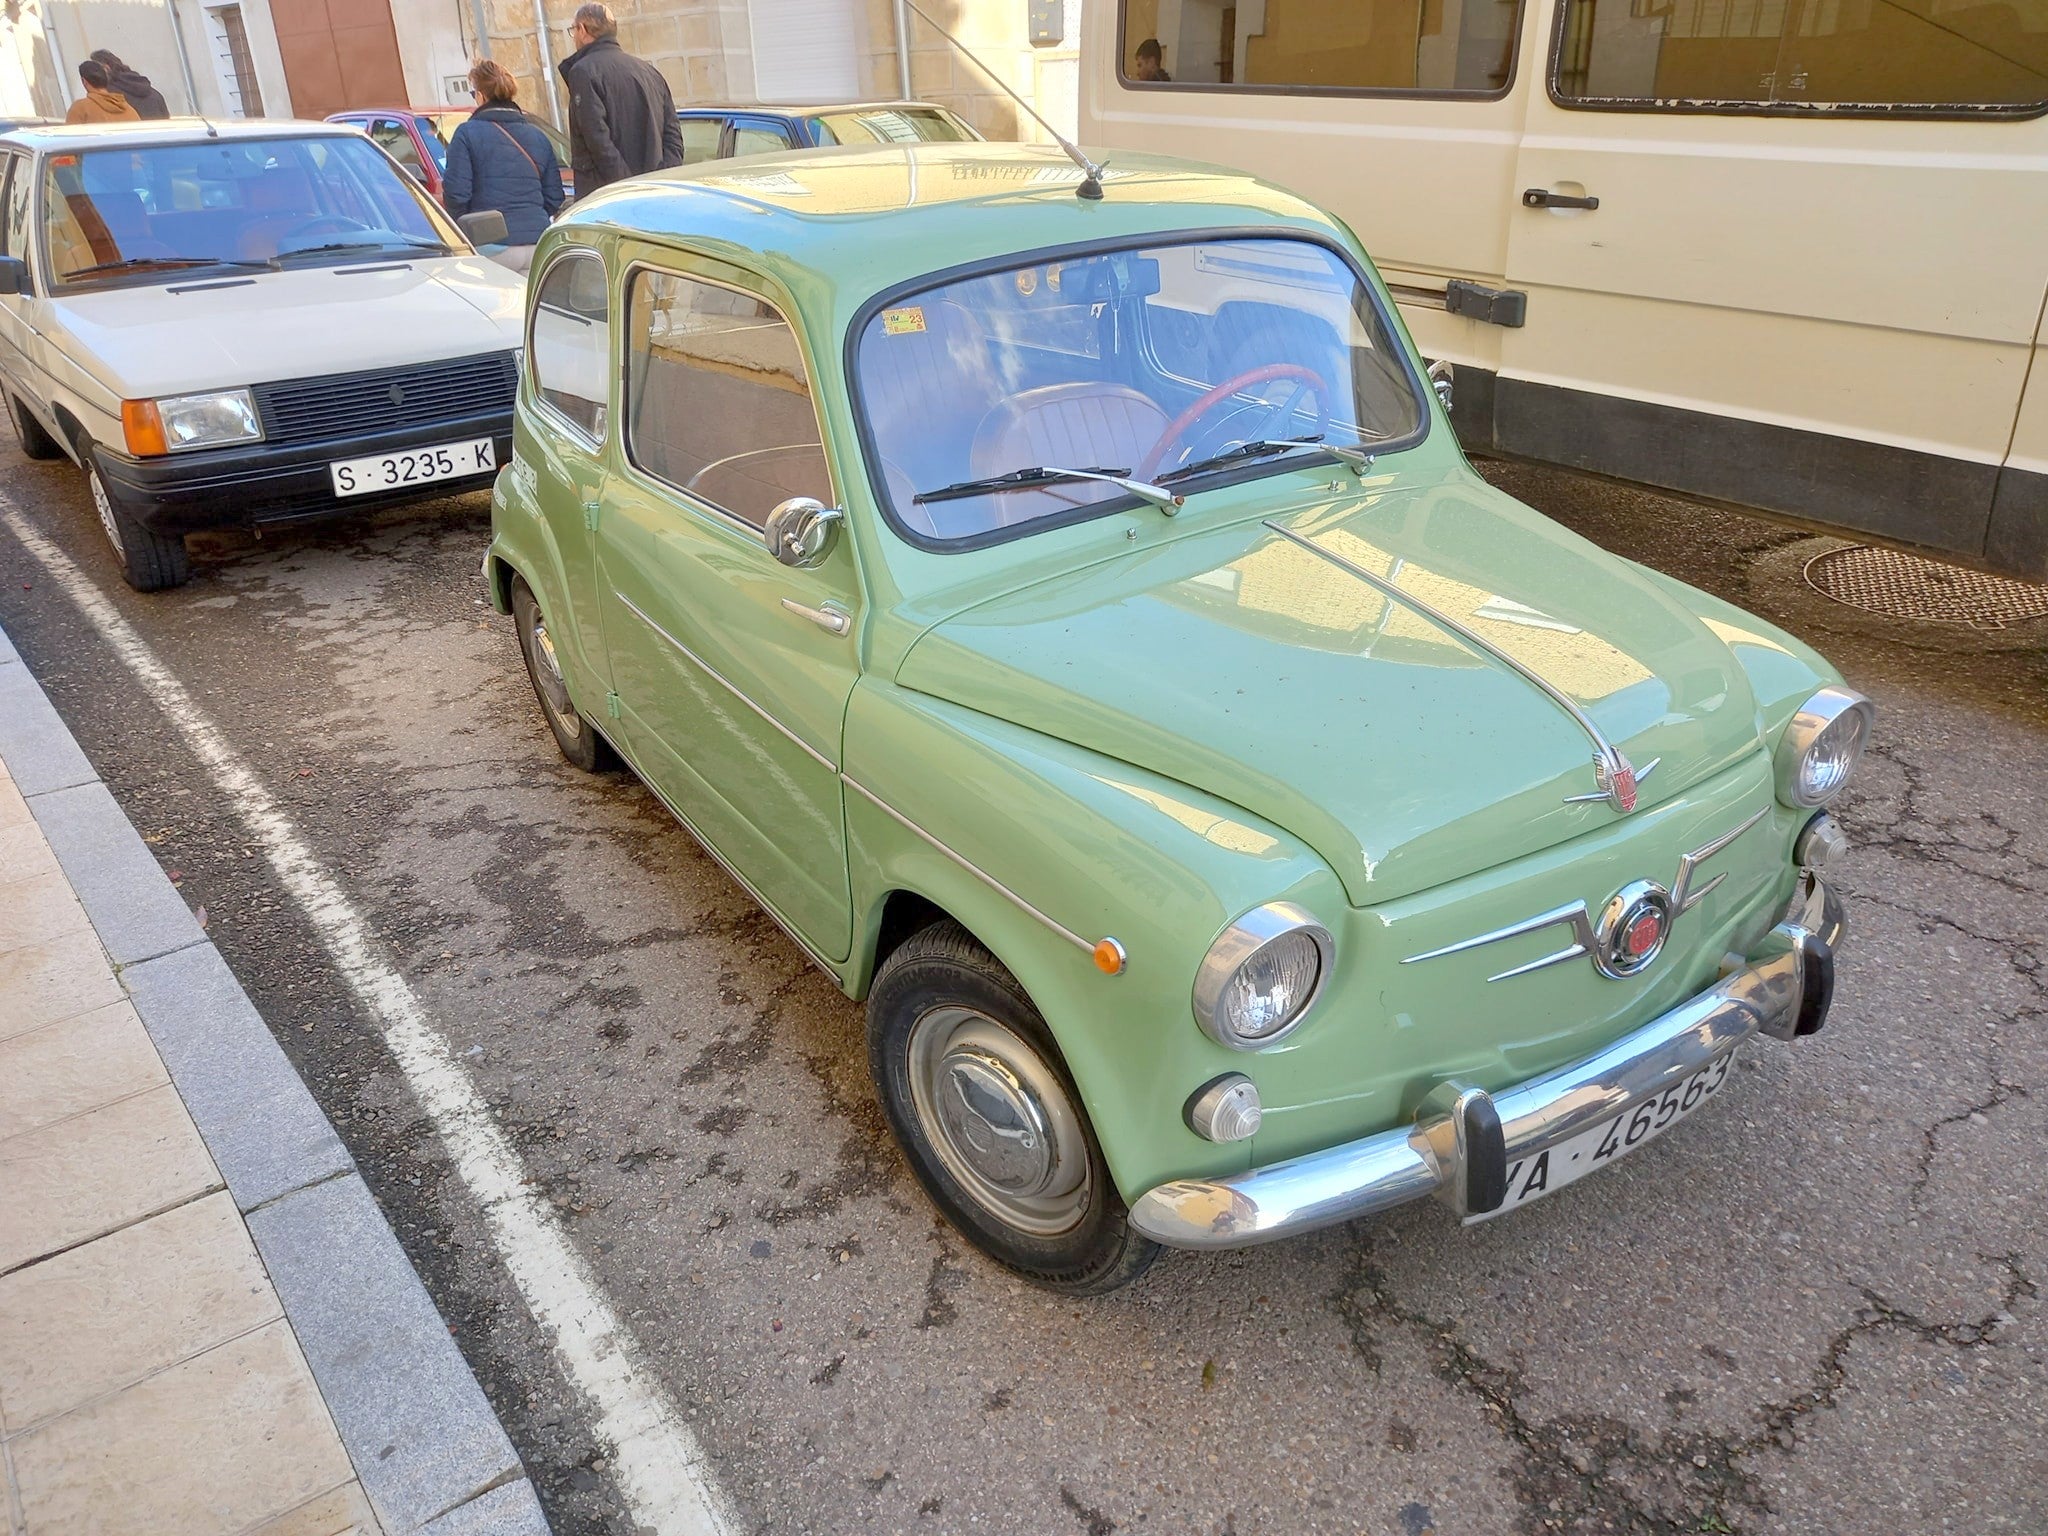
{"type": "Point", "coordinates": [1543, 197]}
{"type": "Point", "coordinates": [828, 616]}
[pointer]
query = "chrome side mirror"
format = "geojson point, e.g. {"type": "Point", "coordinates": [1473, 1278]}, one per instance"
{"type": "Point", "coordinates": [801, 530]}
{"type": "Point", "coordinates": [1440, 380]}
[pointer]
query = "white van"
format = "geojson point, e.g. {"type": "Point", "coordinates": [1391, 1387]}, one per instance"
{"type": "Point", "coordinates": [1788, 254]}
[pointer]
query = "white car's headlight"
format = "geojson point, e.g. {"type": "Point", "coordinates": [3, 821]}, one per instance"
{"type": "Point", "coordinates": [1261, 975]}
{"type": "Point", "coordinates": [1822, 745]}
{"type": "Point", "coordinates": [210, 420]}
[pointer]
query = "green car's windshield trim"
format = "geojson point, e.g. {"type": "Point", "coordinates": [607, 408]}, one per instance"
{"type": "Point", "coordinates": [1012, 260]}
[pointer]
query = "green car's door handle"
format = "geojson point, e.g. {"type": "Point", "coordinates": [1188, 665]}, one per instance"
{"type": "Point", "coordinates": [827, 616]}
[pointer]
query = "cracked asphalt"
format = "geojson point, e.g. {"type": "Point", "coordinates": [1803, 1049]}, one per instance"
{"type": "Point", "coordinates": [1817, 1307]}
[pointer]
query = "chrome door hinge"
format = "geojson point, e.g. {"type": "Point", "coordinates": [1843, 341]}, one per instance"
{"type": "Point", "coordinates": [827, 616]}
{"type": "Point", "coordinates": [611, 705]}
{"type": "Point", "coordinates": [590, 515]}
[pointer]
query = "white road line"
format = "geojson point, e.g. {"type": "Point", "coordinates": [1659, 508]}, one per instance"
{"type": "Point", "coordinates": [659, 1466]}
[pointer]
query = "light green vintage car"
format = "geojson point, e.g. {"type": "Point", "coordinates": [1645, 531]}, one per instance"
{"type": "Point", "coordinates": [1073, 620]}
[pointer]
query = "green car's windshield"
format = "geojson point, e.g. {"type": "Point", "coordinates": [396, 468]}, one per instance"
{"type": "Point", "coordinates": [1181, 364]}
{"type": "Point", "coordinates": [114, 215]}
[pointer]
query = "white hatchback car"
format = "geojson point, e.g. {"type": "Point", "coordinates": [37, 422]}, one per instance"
{"type": "Point", "coordinates": [240, 324]}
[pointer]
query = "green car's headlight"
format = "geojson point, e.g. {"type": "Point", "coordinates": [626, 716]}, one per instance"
{"type": "Point", "coordinates": [210, 420]}
{"type": "Point", "coordinates": [1820, 748]}
{"type": "Point", "coordinates": [1261, 976]}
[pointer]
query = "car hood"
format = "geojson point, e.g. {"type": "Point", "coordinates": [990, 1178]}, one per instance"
{"type": "Point", "coordinates": [216, 332]}
{"type": "Point", "coordinates": [1244, 664]}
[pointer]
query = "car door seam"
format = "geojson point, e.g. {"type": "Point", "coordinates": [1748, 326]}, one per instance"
{"type": "Point", "coordinates": [719, 677]}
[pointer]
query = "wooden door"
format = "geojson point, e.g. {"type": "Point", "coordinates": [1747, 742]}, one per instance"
{"type": "Point", "coordinates": [339, 54]}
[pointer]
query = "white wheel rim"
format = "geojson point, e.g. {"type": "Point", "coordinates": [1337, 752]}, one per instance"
{"type": "Point", "coordinates": [105, 506]}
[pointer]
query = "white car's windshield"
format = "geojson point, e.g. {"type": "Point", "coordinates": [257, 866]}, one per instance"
{"type": "Point", "coordinates": [1172, 364]}
{"type": "Point", "coordinates": [143, 213]}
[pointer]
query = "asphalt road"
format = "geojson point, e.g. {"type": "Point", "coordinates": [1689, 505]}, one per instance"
{"type": "Point", "coordinates": [1816, 1308]}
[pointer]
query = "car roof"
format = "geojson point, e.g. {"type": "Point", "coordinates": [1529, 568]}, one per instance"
{"type": "Point", "coordinates": [171, 130]}
{"type": "Point", "coordinates": [757, 109]}
{"type": "Point", "coordinates": [922, 208]}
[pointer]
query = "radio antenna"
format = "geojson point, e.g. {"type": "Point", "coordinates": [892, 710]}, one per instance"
{"type": "Point", "coordinates": [1091, 172]}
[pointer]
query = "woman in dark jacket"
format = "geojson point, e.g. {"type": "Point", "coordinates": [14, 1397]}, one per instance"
{"type": "Point", "coordinates": [499, 160]}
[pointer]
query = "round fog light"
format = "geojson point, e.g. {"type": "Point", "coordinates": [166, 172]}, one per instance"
{"type": "Point", "coordinates": [1226, 1109]}
{"type": "Point", "coordinates": [1821, 844]}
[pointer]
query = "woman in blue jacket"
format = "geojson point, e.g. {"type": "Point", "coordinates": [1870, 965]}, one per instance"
{"type": "Point", "coordinates": [499, 160]}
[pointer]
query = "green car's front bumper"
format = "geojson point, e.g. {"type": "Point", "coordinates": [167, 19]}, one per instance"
{"type": "Point", "coordinates": [1464, 1139]}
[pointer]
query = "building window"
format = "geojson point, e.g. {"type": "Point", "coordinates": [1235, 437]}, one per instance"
{"type": "Point", "coordinates": [1790, 55]}
{"type": "Point", "coordinates": [1287, 47]}
{"type": "Point", "coordinates": [229, 43]}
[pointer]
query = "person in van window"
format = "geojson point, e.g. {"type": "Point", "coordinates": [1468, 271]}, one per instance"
{"type": "Point", "coordinates": [145, 98]}
{"type": "Point", "coordinates": [498, 160]}
{"type": "Point", "coordinates": [1151, 61]}
{"type": "Point", "coordinates": [622, 115]}
{"type": "Point", "coordinates": [101, 103]}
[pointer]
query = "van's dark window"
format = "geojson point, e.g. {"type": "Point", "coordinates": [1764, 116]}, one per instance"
{"type": "Point", "coordinates": [1435, 47]}
{"type": "Point", "coordinates": [1686, 54]}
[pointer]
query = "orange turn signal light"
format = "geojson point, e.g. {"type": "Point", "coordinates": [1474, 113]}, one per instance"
{"type": "Point", "coordinates": [143, 427]}
{"type": "Point", "coordinates": [1109, 957]}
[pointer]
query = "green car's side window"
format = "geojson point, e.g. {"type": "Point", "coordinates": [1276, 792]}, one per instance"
{"type": "Point", "coordinates": [569, 342]}
{"type": "Point", "coordinates": [718, 402]}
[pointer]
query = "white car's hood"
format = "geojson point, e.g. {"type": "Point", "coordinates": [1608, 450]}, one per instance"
{"type": "Point", "coordinates": [220, 332]}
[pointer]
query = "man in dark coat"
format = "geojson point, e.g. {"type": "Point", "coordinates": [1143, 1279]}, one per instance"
{"type": "Point", "coordinates": [622, 117]}
{"type": "Point", "coordinates": [145, 98]}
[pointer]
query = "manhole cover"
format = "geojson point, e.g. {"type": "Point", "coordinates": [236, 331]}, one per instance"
{"type": "Point", "coordinates": [1905, 586]}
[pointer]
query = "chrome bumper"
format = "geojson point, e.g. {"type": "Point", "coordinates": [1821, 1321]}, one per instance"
{"type": "Point", "coordinates": [1463, 1139]}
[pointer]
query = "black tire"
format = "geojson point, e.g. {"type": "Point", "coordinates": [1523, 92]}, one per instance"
{"type": "Point", "coordinates": [934, 977]}
{"type": "Point", "coordinates": [28, 432]}
{"type": "Point", "coordinates": [150, 561]}
{"type": "Point", "coordinates": [574, 734]}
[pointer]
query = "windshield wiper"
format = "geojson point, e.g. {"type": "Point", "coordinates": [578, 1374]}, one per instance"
{"type": "Point", "coordinates": [1052, 474]}
{"type": "Point", "coordinates": [1265, 447]}
{"type": "Point", "coordinates": [390, 243]}
{"type": "Point", "coordinates": [176, 263]}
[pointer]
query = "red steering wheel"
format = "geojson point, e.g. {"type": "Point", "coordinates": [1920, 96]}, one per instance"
{"type": "Point", "coordinates": [1265, 373]}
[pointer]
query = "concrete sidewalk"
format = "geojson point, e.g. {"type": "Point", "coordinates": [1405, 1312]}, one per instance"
{"type": "Point", "coordinates": [206, 1326]}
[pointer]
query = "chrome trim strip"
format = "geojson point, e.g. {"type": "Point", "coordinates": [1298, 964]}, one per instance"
{"type": "Point", "coordinates": [1601, 745]}
{"type": "Point", "coordinates": [1377, 1172]}
{"type": "Point", "coordinates": [987, 879]}
{"type": "Point", "coordinates": [710, 671]}
{"type": "Point", "coordinates": [1579, 918]}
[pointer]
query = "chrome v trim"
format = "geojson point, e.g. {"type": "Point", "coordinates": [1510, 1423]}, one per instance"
{"type": "Point", "coordinates": [975, 870]}
{"type": "Point", "coordinates": [1576, 916]}
{"type": "Point", "coordinates": [1605, 753]}
{"type": "Point", "coordinates": [719, 677]}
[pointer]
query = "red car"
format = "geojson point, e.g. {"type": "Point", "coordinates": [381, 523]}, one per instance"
{"type": "Point", "coordinates": [417, 138]}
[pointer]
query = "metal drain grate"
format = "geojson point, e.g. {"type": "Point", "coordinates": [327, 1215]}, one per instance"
{"type": "Point", "coordinates": [1904, 586]}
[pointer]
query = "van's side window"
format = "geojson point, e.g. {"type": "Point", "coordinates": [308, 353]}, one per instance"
{"type": "Point", "coordinates": [717, 399]}
{"type": "Point", "coordinates": [1686, 55]}
{"type": "Point", "coordinates": [1429, 47]}
{"type": "Point", "coordinates": [570, 342]}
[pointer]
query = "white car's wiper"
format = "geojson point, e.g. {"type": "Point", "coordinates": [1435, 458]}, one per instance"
{"type": "Point", "coordinates": [1265, 447]}
{"type": "Point", "coordinates": [390, 243]}
{"type": "Point", "coordinates": [1052, 474]}
{"type": "Point", "coordinates": [176, 263]}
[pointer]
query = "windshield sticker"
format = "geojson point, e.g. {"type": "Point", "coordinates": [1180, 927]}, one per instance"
{"type": "Point", "coordinates": [903, 322]}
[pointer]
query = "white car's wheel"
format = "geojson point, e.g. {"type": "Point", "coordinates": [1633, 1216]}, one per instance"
{"type": "Point", "coordinates": [150, 561]}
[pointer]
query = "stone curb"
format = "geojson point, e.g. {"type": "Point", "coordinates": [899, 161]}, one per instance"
{"type": "Point", "coordinates": [426, 1445]}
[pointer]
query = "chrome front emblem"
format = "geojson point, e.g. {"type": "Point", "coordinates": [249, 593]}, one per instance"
{"type": "Point", "coordinates": [1632, 929]}
{"type": "Point", "coordinates": [1618, 780]}
{"type": "Point", "coordinates": [1632, 926]}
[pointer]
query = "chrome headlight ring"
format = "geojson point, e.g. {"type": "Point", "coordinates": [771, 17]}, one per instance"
{"type": "Point", "coordinates": [1238, 946]}
{"type": "Point", "coordinates": [1817, 755]}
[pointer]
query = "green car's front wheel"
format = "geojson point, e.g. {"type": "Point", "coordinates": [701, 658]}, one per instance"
{"type": "Point", "coordinates": [981, 1102]}
{"type": "Point", "coordinates": [576, 736]}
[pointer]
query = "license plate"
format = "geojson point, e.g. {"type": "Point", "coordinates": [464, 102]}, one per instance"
{"type": "Point", "coordinates": [1546, 1172]}
{"type": "Point", "coordinates": [413, 466]}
